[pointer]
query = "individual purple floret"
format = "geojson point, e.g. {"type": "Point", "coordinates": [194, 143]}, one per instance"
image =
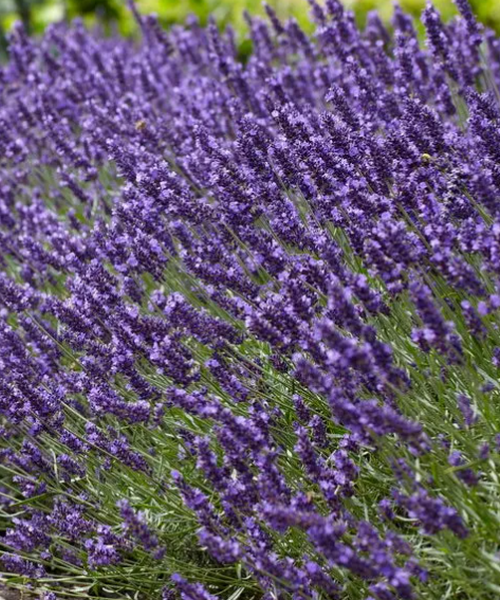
{"type": "Point", "coordinates": [191, 591]}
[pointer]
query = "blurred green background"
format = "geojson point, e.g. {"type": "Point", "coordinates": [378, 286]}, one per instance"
{"type": "Point", "coordinates": [36, 14]}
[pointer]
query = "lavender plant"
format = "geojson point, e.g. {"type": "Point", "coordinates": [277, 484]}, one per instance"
{"type": "Point", "coordinates": [249, 312]}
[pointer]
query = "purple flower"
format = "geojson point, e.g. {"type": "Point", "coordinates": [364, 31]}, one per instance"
{"type": "Point", "coordinates": [464, 404]}
{"type": "Point", "coordinates": [191, 591]}
{"type": "Point", "coordinates": [465, 474]}
{"type": "Point", "coordinates": [135, 524]}
{"type": "Point", "coordinates": [241, 292]}
{"type": "Point", "coordinates": [104, 549]}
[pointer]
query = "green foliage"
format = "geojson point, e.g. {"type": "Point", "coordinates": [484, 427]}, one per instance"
{"type": "Point", "coordinates": [488, 11]}
{"type": "Point", "coordinates": [41, 12]}
{"type": "Point", "coordinates": [37, 14]}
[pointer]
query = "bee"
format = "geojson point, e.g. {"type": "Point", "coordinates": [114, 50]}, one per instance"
{"type": "Point", "coordinates": [140, 125]}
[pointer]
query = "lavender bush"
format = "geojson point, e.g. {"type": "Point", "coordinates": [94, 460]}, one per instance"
{"type": "Point", "coordinates": [249, 337]}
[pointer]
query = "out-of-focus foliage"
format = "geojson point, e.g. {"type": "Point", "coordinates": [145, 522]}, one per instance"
{"type": "Point", "coordinates": [488, 11]}
{"type": "Point", "coordinates": [43, 12]}
{"type": "Point", "coordinates": [37, 14]}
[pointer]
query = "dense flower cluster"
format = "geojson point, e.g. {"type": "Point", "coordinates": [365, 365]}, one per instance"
{"type": "Point", "coordinates": [249, 311]}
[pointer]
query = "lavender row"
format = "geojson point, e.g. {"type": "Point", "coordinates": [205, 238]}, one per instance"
{"type": "Point", "coordinates": [249, 311]}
